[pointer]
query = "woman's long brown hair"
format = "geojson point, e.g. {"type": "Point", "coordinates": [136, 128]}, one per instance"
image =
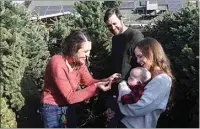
{"type": "Point", "coordinates": [154, 52]}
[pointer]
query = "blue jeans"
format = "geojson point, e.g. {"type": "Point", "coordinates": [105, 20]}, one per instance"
{"type": "Point", "coordinates": [51, 116]}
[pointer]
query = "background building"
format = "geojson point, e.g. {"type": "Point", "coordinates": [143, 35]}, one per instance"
{"type": "Point", "coordinates": [135, 12]}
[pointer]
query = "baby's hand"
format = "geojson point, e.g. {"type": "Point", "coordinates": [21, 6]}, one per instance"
{"type": "Point", "coordinates": [119, 100]}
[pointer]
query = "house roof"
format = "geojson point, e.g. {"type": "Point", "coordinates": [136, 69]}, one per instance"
{"type": "Point", "coordinates": [173, 5]}
{"type": "Point", "coordinates": [45, 9]}
{"type": "Point", "coordinates": [50, 11]}
{"type": "Point", "coordinates": [127, 5]}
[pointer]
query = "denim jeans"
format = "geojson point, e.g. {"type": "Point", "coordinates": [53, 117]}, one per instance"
{"type": "Point", "coordinates": [51, 116]}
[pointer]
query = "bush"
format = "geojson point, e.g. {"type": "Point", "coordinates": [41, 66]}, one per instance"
{"type": "Point", "coordinates": [23, 58]}
{"type": "Point", "coordinates": [8, 119]}
{"type": "Point", "coordinates": [179, 34]}
{"type": "Point", "coordinates": [61, 27]}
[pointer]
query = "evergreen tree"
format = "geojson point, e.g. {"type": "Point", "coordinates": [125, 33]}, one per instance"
{"type": "Point", "coordinates": [179, 34]}
{"type": "Point", "coordinates": [23, 58]}
{"type": "Point", "coordinates": [111, 4]}
{"type": "Point", "coordinates": [61, 27]}
{"type": "Point", "coordinates": [8, 119]}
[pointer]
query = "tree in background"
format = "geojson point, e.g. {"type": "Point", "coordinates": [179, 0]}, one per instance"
{"type": "Point", "coordinates": [61, 27]}
{"type": "Point", "coordinates": [8, 118]}
{"type": "Point", "coordinates": [111, 4]}
{"type": "Point", "coordinates": [179, 34]}
{"type": "Point", "coordinates": [23, 58]}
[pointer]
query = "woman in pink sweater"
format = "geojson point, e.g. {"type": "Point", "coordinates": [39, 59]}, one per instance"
{"type": "Point", "coordinates": [65, 72]}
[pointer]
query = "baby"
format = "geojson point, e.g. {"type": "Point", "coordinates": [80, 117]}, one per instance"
{"type": "Point", "coordinates": [132, 91]}
{"type": "Point", "coordinates": [129, 92]}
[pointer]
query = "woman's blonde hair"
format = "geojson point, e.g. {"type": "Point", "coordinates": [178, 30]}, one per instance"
{"type": "Point", "coordinates": [153, 51]}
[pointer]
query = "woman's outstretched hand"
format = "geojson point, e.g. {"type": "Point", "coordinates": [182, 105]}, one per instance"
{"type": "Point", "coordinates": [105, 86]}
{"type": "Point", "coordinates": [115, 77]}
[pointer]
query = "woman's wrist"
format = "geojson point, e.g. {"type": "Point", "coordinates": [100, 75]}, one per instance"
{"type": "Point", "coordinates": [95, 85]}
{"type": "Point", "coordinates": [104, 80]}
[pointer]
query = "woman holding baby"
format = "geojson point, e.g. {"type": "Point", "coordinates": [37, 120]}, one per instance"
{"type": "Point", "coordinates": [146, 111]}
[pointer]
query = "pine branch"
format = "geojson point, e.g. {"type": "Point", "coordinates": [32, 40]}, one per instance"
{"type": "Point", "coordinates": [92, 117]}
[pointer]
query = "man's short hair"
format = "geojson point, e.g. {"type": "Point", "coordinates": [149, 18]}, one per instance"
{"type": "Point", "coordinates": [110, 12]}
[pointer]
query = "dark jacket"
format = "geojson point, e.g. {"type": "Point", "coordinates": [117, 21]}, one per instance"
{"type": "Point", "coordinates": [121, 54]}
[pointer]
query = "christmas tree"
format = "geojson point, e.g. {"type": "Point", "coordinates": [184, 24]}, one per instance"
{"type": "Point", "coordinates": [24, 54]}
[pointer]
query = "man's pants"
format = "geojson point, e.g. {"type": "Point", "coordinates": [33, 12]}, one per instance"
{"type": "Point", "coordinates": [111, 102]}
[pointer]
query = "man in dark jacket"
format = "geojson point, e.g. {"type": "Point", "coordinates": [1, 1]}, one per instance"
{"type": "Point", "coordinates": [122, 60]}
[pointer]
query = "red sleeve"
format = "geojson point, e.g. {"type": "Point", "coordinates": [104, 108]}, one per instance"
{"type": "Point", "coordinates": [134, 96]}
{"type": "Point", "coordinates": [86, 77]}
{"type": "Point", "coordinates": [60, 76]}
